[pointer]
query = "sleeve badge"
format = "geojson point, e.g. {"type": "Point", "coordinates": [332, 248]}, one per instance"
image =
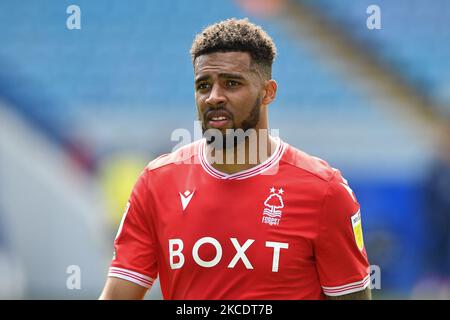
{"type": "Point", "coordinates": [357, 230]}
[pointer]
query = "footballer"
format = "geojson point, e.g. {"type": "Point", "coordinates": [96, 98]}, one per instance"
{"type": "Point", "coordinates": [274, 224]}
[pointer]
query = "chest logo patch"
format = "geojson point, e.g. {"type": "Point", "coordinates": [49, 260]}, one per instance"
{"type": "Point", "coordinates": [273, 204]}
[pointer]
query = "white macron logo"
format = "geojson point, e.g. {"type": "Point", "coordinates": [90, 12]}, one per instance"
{"type": "Point", "coordinates": [186, 198]}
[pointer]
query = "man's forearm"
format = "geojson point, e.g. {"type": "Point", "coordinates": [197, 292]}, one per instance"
{"type": "Point", "coordinates": [365, 294]}
{"type": "Point", "coordinates": [119, 289]}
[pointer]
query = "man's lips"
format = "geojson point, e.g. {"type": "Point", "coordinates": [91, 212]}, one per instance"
{"type": "Point", "coordinates": [218, 123]}
{"type": "Point", "coordinates": [218, 118]}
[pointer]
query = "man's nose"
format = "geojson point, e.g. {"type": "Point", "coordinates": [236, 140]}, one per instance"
{"type": "Point", "coordinates": [216, 96]}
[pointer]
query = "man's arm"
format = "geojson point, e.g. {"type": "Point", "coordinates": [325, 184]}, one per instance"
{"type": "Point", "coordinates": [365, 294]}
{"type": "Point", "coordinates": [120, 289]}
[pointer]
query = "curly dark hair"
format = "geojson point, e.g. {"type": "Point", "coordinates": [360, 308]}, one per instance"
{"type": "Point", "coordinates": [237, 35]}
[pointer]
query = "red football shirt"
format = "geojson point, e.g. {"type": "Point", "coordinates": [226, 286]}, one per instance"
{"type": "Point", "coordinates": [289, 228]}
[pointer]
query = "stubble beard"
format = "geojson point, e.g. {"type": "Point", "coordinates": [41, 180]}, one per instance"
{"type": "Point", "coordinates": [236, 135]}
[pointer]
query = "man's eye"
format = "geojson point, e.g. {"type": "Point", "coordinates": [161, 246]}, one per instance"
{"type": "Point", "coordinates": [232, 83]}
{"type": "Point", "coordinates": [202, 86]}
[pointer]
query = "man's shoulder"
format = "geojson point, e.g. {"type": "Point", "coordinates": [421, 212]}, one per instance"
{"type": "Point", "coordinates": [321, 172]}
{"type": "Point", "coordinates": [184, 154]}
{"type": "Point", "coordinates": [305, 162]}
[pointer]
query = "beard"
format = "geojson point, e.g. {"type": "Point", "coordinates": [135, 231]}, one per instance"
{"type": "Point", "coordinates": [250, 122]}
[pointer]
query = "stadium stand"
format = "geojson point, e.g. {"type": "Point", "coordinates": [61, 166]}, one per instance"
{"type": "Point", "coordinates": [124, 81]}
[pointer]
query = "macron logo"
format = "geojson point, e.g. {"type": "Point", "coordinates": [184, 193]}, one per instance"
{"type": "Point", "coordinates": [186, 198]}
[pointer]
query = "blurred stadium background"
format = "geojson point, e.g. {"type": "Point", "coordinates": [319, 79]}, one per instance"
{"type": "Point", "coordinates": [83, 111]}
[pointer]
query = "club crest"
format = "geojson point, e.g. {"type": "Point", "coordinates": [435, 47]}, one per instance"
{"type": "Point", "coordinates": [273, 204]}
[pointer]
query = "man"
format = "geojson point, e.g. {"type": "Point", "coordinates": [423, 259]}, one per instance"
{"type": "Point", "coordinates": [279, 224]}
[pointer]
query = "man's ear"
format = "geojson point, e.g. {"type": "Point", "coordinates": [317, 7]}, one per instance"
{"type": "Point", "coordinates": [270, 89]}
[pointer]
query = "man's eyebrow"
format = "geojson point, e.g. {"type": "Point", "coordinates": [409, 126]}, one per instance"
{"type": "Point", "coordinates": [231, 75]}
{"type": "Point", "coordinates": [221, 75]}
{"type": "Point", "coordinates": [202, 78]}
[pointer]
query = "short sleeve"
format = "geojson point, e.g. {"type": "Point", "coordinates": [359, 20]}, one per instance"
{"type": "Point", "coordinates": [341, 257]}
{"type": "Point", "coordinates": [134, 246]}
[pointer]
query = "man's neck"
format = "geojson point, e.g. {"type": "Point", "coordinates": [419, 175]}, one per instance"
{"type": "Point", "coordinates": [245, 155]}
